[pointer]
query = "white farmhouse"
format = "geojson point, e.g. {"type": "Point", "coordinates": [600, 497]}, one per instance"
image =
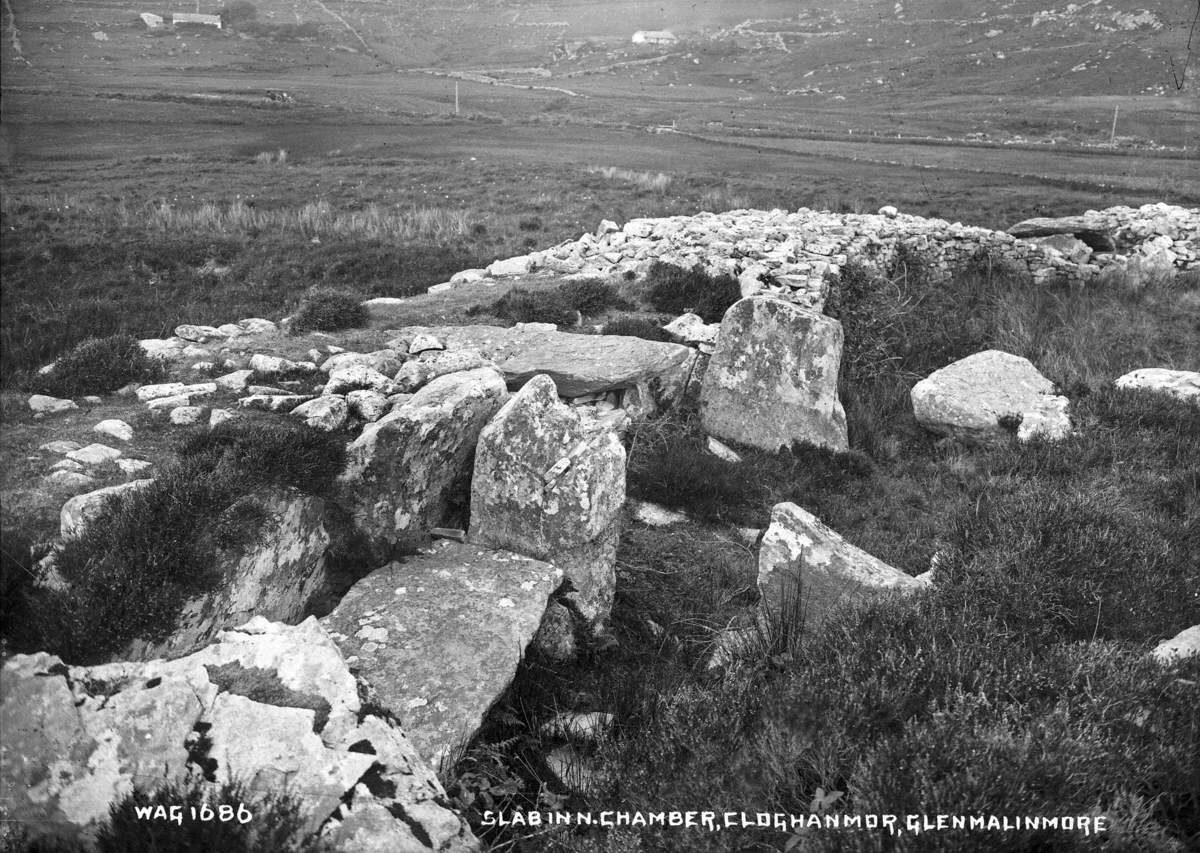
{"type": "Point", "coordinates": [193, 18]}
{"type": "Point", "coordinates": [654, 37]}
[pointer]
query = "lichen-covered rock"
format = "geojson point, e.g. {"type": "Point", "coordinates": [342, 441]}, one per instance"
{"type": "Point", "coordinates": [273, 402]}
{"type": "Point", "coordinates": [1181, 384]}
{"type": "Point", "coordinates": [353, 377]}
{"type": "Point", "coordinates": [404, 470]}
{"type": "Point", "coordinates": [772, 380]}
{"type": "Point", "coordinates": [326, 413]}
{"type": "Point", "coordinates": [368, 405]}
{"type": "Point", "coordinates": [430, 364]}
{"type": "Point", "coordinates": [78, 739]}
{"type": "Point", "coordinates": [146, 393]}
{"type": "Point", "coordinates": [115, 428]}
{"type": "Point", "coordinates": [269, 366]}
{"type": "Point", "coordinates": [800, 554]}
{"type": "Point", "coordinates": [973, 398]}
{"type": "Point", "coordinates": [95, 454]}
{"type": "Point", "coordinates": [439, 636]}
{"type": "Point", "coordinates": [550, 483]}
{"type": "Point", "coordinates": [42, 405]}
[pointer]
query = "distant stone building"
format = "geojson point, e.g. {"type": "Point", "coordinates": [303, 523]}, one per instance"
{"type": "Point", "coordinates": [193, 18]}
{"type": "Point", "coordinates": [654, 37]}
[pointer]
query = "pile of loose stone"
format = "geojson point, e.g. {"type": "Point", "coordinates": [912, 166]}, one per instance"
{"type": "Point", "coordinates": [788, 254]}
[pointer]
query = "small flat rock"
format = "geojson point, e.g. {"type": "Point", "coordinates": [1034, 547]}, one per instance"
{"type": "Point", "coordinates": [968, 398]}
{"type": "Point", "coordinates": [115, 428]}
{"type": "Point", "coordinates": [199, 334]}
{"type": "Point", "coordinates": [187, 415]}
{"type": "Point", "coordinates": [257, 326]}
{"type": "Point", "coordinates": [1181, 384]}
{"type": "Point", "coordinates": [166, 404]}
{"type": "Point", "coordinates": [93, 400]}
{"type": "Point", "coordinates": [273, 402]}
{"type": "Point", "coordinates": [440, 637]}
{"type": "Point", "coordinates": [235, 380]}
{"type": "Point", "coordinates": [721, 450]}
{"type": "Point", "coordinates": [326, 413]}
{"type": "Point", "coordinates": [43, 405]}
{"type": "Point", "coordinates": [66, 465]}
{"type": "Point", "coordinates": [162, 348]}
{"type": "Point", "coordinates": [1185, 644]}
{"type": "Point", "coordinates": [655, 515]}
{"type": "Point", "coordinates": [423, 343]}
{"type": "Point", "coordinates": [95, 454]}
{"type": "Point", "coordinates": [219, 416]}
{"type": "Point", "coordinates": [354, 377]}
{"type": "Point", "coordinates": [273, 365]}
{"type": "Point", "coordinates": [133, 466]}
{"type": "Point", "coordinates": [691, 329]}
{"type": "Point", "coordinates": [60, 446]}
{"type": "Point", "coordinates": [175, 389]}
{"type": "Point", "coordinates": [69, 479]}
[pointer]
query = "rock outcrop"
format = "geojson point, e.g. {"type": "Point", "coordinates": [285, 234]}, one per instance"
{"type": "Point", "coordinates": [403, 471]}
{"type": "Point", "coordinates": [279, 709]}
{"type": "Point", "coordinates": [773, 378]}
{"type": "Point", "coordinates": [439, 636]}
{"type": "Point", "coordinates": [980, 397]}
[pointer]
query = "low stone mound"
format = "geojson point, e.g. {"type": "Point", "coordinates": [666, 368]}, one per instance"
{"type": "Point", "coordinates": [788, 254]}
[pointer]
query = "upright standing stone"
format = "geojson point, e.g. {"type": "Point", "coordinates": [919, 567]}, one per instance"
{"type": "Point", "coordinates": [773, 378]}
{"type": "Point", "coordinates": [550, 484]}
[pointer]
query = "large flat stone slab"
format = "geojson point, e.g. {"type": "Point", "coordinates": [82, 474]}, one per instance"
{"type": "Point", "coordinates": [578, 364]}
{"type": "Point", "coordinates": [439, 636]}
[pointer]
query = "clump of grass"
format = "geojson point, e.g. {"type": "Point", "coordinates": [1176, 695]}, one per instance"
{"type": "Point", "coordinates": [669, 464]}
{"type": "Point", "coordinates": [637, 327]}
{"type": "Point", "coordinates": [678, 290]}
{"type": "Point", "coordinates": [97, 366]}
{"type": "Point", "coordinates": [561, 305]}
{"type": "Point", "coordinates": [329, 310]}
{"type": "Point", "coordinates": [529, 306]}
{"type": "Point", "coordinates": [264, 686]}
{"type": "Point", "coordinates": [154, 548]}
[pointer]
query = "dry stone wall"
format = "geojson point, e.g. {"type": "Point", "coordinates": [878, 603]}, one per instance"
{"type": "Point", "coordinates": [788, 254]}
